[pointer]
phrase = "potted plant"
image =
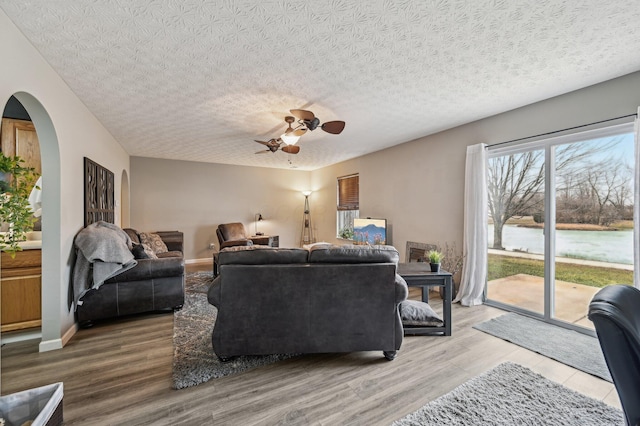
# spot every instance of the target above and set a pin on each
(435, 257)
(16, 215)
(346, 233)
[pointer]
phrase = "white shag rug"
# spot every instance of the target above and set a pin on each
(511, 394)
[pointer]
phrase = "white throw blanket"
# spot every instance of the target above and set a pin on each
(103, 250)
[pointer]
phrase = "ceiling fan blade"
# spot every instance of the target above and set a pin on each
(263, 152)
(291, 149)
(262, 142)
(302, 114)
(334, 127)
(298, 132)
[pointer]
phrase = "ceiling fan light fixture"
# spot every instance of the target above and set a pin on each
(289, 139)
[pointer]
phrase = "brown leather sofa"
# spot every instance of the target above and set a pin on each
(152, 285)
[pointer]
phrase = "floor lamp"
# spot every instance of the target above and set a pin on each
(307, 230)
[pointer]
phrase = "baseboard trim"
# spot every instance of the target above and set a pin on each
(50, 345)
(55, 344)
(204, 260)
(70, 333)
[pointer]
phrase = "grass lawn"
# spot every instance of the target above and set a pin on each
(504, 266)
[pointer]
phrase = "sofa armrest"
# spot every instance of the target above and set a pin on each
(214, 292)
(151, 268)
(402, 290)
(174, 240)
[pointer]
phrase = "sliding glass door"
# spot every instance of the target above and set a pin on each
(560, 223)
(516, 240)
(593, 232)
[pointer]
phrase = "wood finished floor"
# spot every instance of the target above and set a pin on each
(119, 373)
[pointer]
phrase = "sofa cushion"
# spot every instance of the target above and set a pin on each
(133, 234)
(233, 231)
(416, 313)
(327, 253)
(261, 255)
(154, 241)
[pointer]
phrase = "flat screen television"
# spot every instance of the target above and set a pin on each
(369, 231)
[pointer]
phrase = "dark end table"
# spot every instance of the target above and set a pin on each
(418, 274)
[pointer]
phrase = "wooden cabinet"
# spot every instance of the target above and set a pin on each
(19, 138)
(21, 290)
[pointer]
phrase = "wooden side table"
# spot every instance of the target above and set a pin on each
(418, 274)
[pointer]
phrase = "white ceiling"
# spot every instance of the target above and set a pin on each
(199, 80)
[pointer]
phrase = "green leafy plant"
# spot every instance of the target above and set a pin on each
(434, 256)
(346, 233)
(15, 210)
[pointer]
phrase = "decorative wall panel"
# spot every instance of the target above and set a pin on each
(98, 193)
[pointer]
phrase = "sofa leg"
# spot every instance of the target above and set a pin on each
(225, 358)
(177, 308)
(390, 355)
(86, 324)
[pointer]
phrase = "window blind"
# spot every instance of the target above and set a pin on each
(349, 193)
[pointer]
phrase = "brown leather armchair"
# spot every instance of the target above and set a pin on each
(233, 234)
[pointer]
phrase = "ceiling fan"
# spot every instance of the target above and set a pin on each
(306, 121)
(276, 144)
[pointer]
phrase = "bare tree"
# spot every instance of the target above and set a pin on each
(516, 181)
(513, 180)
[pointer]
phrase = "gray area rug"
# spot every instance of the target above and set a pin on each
(511, 394)
(194, 360)
(566, 346)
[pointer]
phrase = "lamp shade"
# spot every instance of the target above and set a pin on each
(289, 139)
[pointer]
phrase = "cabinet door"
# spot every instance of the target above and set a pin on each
(23, 307)
(20, 290)
(19, 138)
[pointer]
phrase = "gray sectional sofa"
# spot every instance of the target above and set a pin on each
(323, 300)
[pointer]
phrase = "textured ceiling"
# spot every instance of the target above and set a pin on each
(199, 80)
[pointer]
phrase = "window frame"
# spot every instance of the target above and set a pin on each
(347, 202)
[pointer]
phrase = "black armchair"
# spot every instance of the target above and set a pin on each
(615, 312)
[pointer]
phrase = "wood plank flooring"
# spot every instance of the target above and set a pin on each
(119, 373)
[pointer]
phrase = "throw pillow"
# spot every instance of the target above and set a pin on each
(143, 251)
(138, 252)
(416, 313)
(154, 241)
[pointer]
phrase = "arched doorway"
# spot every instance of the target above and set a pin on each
(21, 273)
(53, 302)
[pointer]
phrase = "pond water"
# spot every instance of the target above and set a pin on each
(606, 246)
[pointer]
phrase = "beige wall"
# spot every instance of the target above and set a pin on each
(419, 186)
(196, 197)
(67, 132)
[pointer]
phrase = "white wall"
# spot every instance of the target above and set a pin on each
(68, 132)
(196, 197)
(418, 186)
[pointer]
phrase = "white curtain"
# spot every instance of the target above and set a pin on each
(636, 205)
(474, 270)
